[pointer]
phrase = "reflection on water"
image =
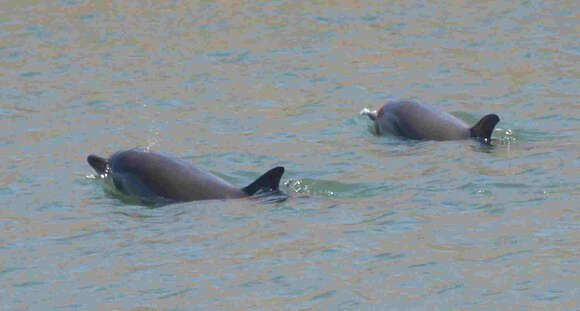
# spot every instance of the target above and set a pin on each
(370, 222)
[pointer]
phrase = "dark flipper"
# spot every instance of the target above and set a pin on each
(484, 127)
(270, 181)
(98, 163)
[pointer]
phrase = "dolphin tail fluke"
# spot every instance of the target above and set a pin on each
(370, 113)
(270, 181)
(484, 127)
(98, 163)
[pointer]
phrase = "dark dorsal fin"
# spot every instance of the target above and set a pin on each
(484, 127)
(98, 163)
(269, 181)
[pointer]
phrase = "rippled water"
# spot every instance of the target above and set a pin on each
(237, 88)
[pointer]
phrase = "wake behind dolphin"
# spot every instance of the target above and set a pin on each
(421, 121)
(156, 177)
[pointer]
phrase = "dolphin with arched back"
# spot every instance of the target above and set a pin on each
(416, 120)
(154, 176)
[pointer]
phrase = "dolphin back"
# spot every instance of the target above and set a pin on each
(270, 181)
(484, 127)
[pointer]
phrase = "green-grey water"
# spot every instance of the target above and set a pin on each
(371, 223)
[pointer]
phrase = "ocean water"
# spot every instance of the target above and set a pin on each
(371, 222)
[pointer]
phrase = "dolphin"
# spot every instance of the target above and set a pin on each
(416, 120)
(158, 177)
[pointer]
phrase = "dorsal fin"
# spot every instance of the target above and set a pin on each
(98, 163)
(484, 127)
(269, 181)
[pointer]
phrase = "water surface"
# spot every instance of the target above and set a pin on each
(237, 88)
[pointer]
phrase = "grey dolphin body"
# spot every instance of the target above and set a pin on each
(154, 176)
(421, 121)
